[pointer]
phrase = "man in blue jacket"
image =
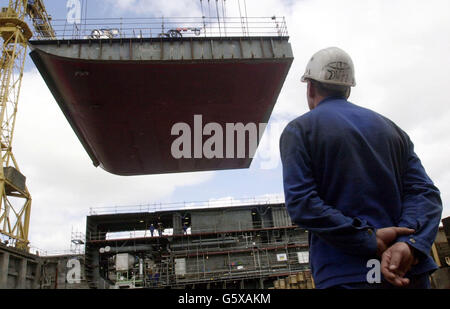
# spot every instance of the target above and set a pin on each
(353, 180)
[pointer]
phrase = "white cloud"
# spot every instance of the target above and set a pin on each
(193, 8)
(267, 156)
(179, 8)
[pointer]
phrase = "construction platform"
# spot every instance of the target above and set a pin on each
(247, 246)
(123, 96)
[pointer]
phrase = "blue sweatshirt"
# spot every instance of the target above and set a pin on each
(347, 172)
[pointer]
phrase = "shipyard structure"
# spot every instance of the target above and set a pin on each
(253, 246)
(250, 246)
(230, 247)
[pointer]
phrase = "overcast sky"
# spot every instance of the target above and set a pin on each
(400, 50)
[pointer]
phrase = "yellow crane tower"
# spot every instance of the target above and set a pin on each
(15, 200)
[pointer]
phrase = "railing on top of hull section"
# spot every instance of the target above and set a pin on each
(175, 28)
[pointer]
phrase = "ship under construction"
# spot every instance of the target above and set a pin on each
(123, 92)
(249, 246)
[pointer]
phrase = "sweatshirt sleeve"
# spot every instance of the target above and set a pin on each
(350, 235)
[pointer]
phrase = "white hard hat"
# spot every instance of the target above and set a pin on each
(331, 66)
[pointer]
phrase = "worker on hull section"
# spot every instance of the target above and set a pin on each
(352, 178)
(152, 229)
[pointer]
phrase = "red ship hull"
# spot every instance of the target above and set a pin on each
(123, 111)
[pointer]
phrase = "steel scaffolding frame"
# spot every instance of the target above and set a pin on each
(257, 256)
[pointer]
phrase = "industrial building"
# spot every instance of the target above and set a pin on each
(251, 246)
(217, 247)
(254, 246)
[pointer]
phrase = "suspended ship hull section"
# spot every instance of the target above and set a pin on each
(124, 105)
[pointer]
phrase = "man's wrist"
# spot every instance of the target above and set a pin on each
(416, 253)
(381, 247)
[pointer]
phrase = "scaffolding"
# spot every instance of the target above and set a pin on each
(213, 257)
(77, 242)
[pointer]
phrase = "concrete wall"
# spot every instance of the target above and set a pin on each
(62, 272)
(20, 270)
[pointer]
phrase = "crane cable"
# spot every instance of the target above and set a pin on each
(83, 5)
(224, 15)
(84, 10)
(209, 16)
(218, 17)
(203, 16)
(240, 15)
(201, 5)
(246, 16)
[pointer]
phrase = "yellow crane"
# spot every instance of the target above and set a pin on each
(15, 199)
